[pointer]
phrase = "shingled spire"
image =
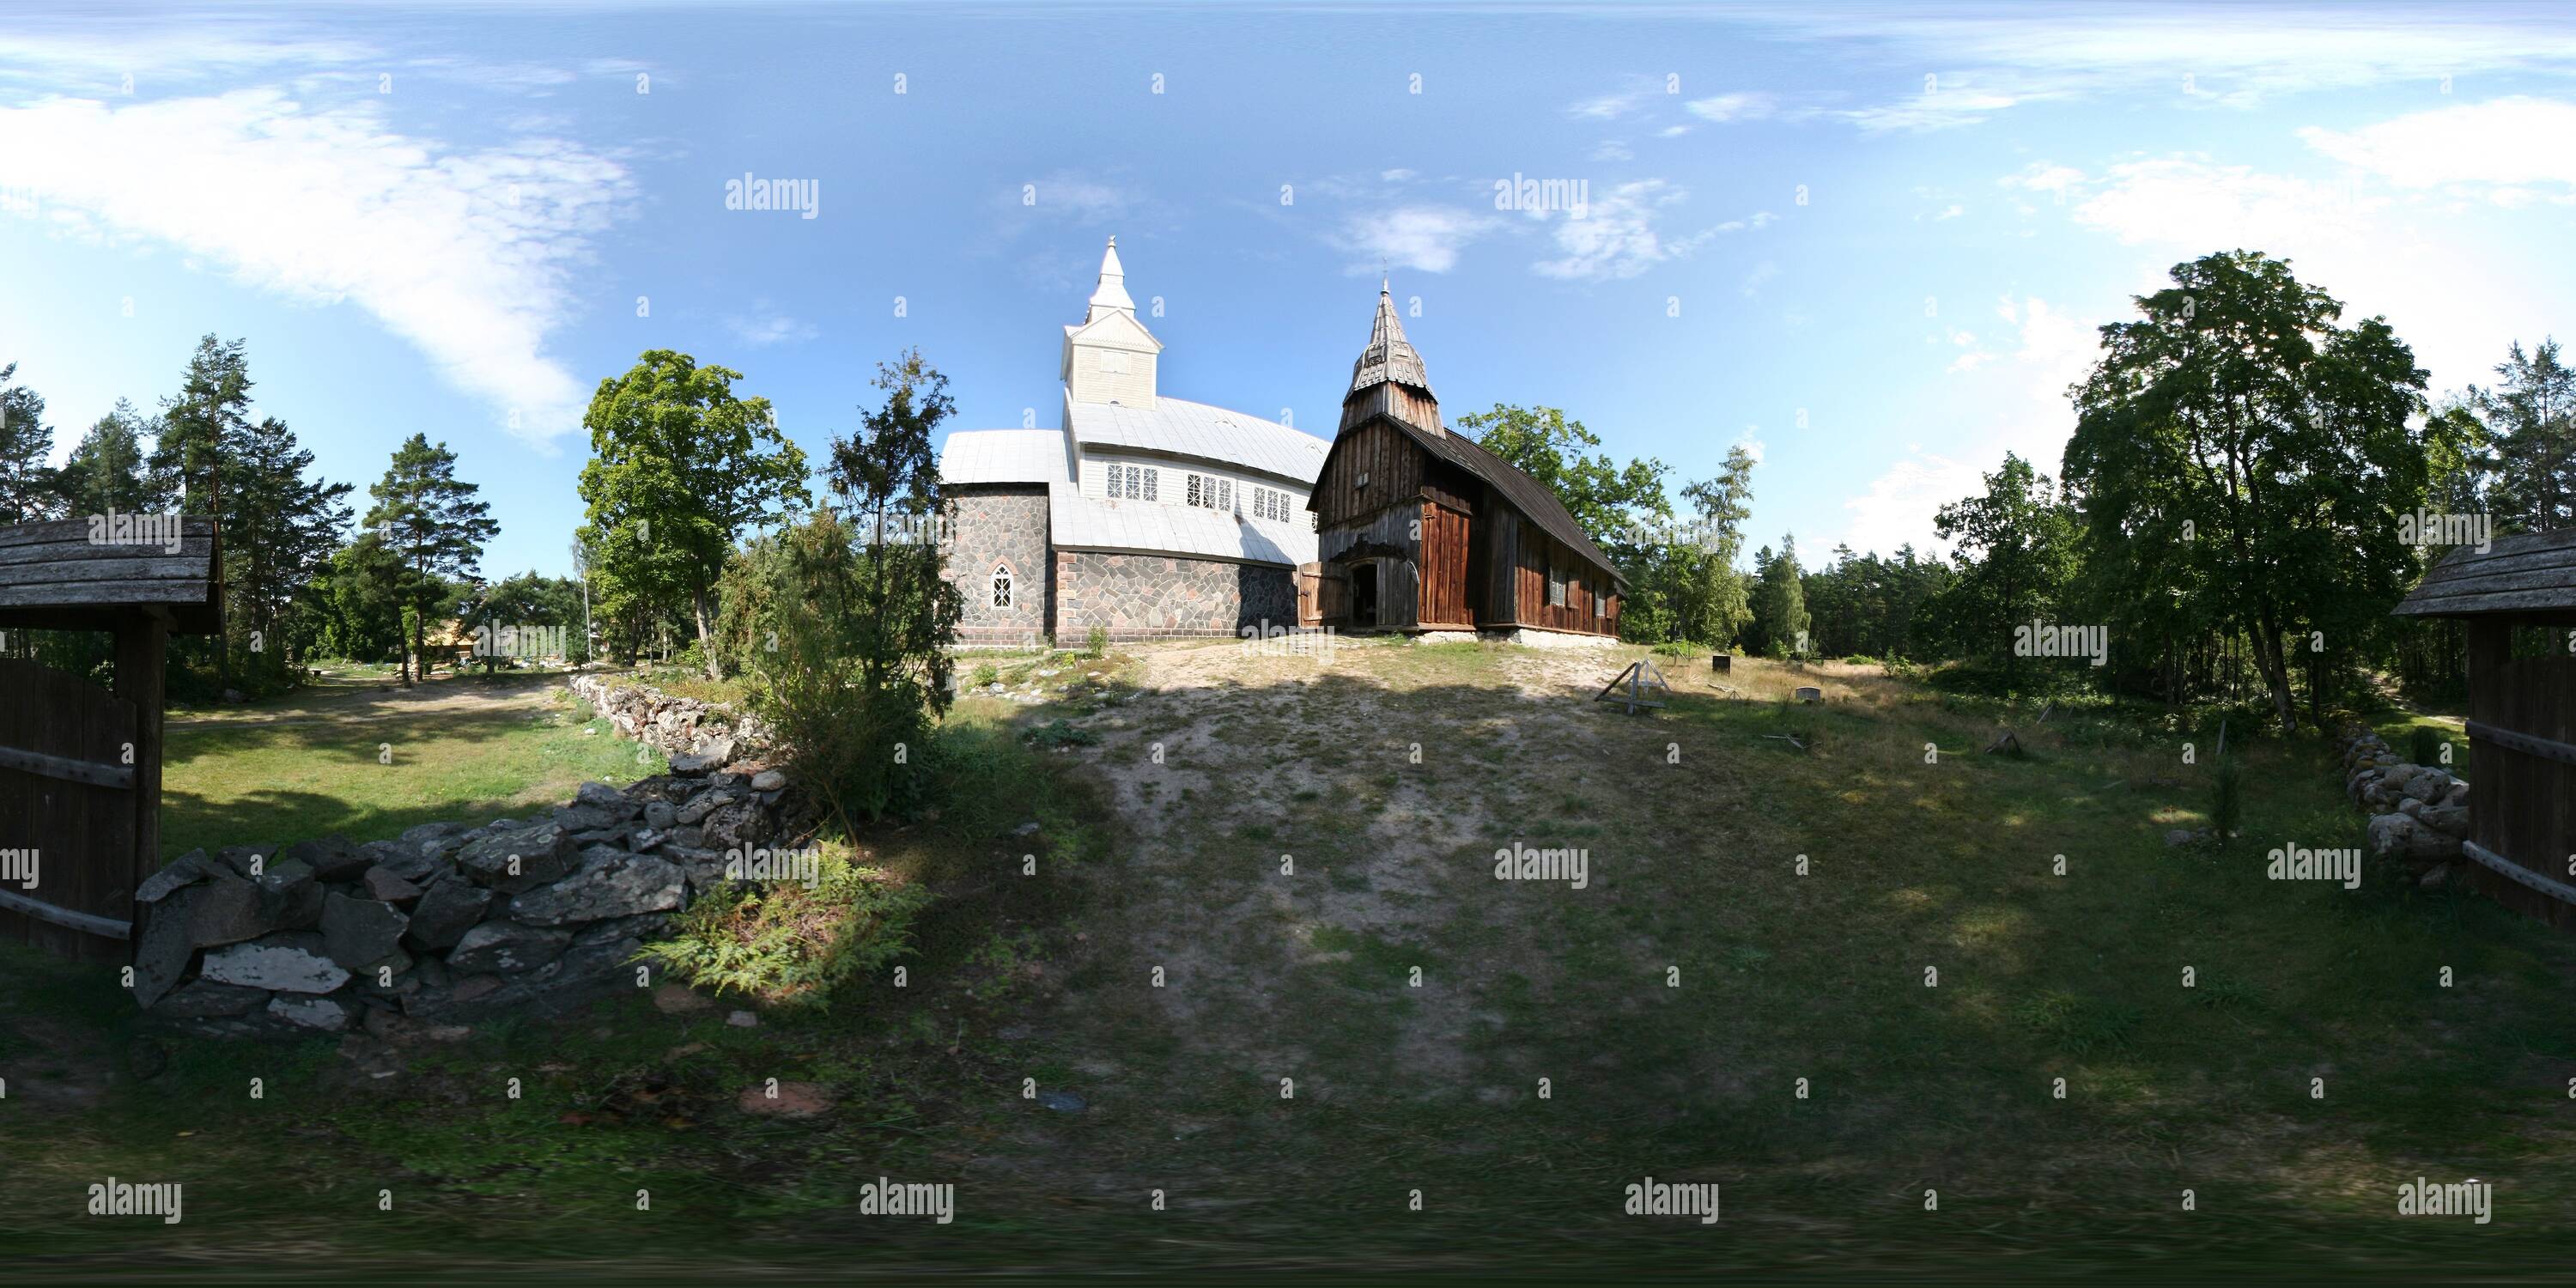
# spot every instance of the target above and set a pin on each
(1388, 378)
(1111, 295)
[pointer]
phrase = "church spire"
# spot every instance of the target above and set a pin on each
(1111, 295)
(1389, 357)
(1388, 379)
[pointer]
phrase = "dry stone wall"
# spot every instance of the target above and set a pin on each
(2419, 813)
(452, 922)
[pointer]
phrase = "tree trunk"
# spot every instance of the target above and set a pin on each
(699, 604)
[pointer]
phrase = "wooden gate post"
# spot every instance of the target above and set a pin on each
(142, 644)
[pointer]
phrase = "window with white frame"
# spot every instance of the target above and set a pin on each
(1151, 475)
(1001, 585)
(1196, 484)
(1601, 600)
(1225, 494)
(1555, 586)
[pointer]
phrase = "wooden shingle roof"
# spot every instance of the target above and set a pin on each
(82, 573)
(2534, 573)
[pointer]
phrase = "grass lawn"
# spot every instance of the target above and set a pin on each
(1287, 842)
(348, 759)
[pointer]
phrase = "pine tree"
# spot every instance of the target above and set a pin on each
(431, 523)
(285, 528)
(194, 461)
(105, 472)
(27, 487)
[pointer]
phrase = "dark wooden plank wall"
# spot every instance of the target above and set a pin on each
(1445, 540)
(1520, 551)
(1392, 462)
(2523, 806)
(89, 859)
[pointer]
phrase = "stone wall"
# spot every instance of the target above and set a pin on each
(451, 922)
(1155, 596)
(1001, 525)
(698, 736)
(2419, 814)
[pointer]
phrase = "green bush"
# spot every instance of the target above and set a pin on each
(1096, 644)
(984, 675)
(784, 944)
(2424, 746)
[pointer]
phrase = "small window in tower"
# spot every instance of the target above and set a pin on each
(1225, 494)
(1363, 479)
(1001, 586)
(1194, 489)
(1150, 475)
(1113, 362)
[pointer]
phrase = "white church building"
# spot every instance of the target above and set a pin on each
(1143, 514)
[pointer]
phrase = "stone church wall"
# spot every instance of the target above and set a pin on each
(1005, 524)
(1162, 596)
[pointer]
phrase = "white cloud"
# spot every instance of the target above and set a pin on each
(1616, 238)
(1951, 211)
(1751, 442)
(1395, 176)
(2192, 202)
(1421, 237)
(1610, 107)
(1745, 106)
(1612, 150)
(1672, 131)
(2201, 56)
(1939, 108)
(765, 326)
(2506, 143)
(466, 254)
(1762, 272)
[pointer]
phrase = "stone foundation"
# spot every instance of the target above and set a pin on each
(1166, 596)
(1536, 637)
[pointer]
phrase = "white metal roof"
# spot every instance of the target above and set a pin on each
(1185, 428)
(1005, 456)
(1088, 523)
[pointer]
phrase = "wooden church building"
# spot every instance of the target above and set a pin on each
(1422, 531)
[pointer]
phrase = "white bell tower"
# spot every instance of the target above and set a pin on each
(1110, 357)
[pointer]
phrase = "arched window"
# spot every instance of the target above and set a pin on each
(1001, 585)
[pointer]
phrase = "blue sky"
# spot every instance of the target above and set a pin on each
(1872, 240)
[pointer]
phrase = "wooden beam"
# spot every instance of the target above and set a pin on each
(2518, 874)
(142, 645)
(2528, 745)
(104, 927)
(67, 769)
(106, 594)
